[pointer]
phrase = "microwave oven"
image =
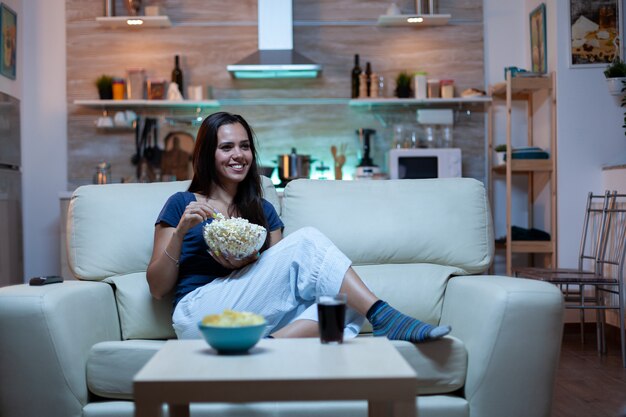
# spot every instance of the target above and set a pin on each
(424, 163)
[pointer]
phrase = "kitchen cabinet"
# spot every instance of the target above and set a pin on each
(540, 173)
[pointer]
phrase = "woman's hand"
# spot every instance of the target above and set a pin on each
(195, 213)
(230, 262)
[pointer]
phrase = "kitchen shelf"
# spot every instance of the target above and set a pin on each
(123, 22)
(417, 102)
(146, 104)
(282, 101)
(414, 20)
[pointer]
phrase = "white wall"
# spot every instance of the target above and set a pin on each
(44, 132)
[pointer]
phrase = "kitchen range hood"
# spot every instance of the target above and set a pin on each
(275, 57)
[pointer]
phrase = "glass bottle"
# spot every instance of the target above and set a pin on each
(356, 72)
(177, 75)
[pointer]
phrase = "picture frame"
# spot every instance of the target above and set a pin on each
(8, 41)
(538, 55)
(595, 28)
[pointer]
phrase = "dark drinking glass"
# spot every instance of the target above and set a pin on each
(331, 311)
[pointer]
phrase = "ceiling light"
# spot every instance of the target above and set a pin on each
(415, 19)
(134, 22)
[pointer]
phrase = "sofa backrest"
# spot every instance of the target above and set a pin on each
(110, 228)
(438, 221)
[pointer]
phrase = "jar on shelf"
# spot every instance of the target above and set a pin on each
(433, 88)
(447, 88)
(118, 88)
(102, 175)
(134, 86)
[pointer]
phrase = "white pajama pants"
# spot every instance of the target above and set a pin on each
(281, 286)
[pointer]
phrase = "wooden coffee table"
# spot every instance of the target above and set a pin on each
(186, 371)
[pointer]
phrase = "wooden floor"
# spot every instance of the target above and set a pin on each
(589, 385)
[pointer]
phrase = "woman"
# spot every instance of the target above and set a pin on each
(282, 281)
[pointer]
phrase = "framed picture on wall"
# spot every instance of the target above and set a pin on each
(8, 41)
(594, 32)
(538, 56)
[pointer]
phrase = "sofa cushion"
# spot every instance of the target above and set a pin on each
(141, 316)
(440, 365)
(110, 228)
(111, 366)
(449, 219)
(426, 284)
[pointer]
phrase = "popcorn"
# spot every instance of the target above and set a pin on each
(230, 318)
(235, 236)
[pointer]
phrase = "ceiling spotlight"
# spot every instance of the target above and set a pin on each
(415, 19)
(134, 22)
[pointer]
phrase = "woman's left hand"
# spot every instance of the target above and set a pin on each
(230, 262)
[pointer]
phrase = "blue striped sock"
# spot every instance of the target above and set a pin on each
(387, 321)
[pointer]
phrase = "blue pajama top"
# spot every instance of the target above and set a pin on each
(196, 266)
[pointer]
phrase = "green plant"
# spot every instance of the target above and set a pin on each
(104, 81)
(105, 87)
(616, 69)
(403, 80)
(500, 148)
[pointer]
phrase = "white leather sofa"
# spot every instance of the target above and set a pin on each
(72, 349)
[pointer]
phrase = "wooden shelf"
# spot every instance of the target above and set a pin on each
(521, 87)
(531, 246)
(132, 22)
(541, 172)
(525, 166)
(414, 20)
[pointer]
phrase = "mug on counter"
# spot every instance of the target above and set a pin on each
(195, 92)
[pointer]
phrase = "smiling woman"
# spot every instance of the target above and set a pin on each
(282, 279)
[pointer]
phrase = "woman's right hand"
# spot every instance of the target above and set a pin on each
(195, 213)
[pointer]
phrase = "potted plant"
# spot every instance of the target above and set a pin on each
(105, 87)
(500, 154)
(615, 75)
(403, 85)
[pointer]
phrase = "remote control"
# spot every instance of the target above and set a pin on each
(50, 279)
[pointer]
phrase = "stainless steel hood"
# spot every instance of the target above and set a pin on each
(275, 57)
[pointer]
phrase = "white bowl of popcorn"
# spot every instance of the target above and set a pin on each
(234, 236)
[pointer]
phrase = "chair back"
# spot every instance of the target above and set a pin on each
(613, 246)
(594, 225)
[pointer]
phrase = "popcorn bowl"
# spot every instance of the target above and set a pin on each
(232, 332)
(234, 236)
(232, 340)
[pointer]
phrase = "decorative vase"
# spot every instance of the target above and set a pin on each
(615, 85)
(403, 91)
(105, 93)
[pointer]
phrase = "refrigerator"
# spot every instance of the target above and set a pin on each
(11, 237)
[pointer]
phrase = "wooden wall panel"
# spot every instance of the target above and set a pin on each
(208, 36)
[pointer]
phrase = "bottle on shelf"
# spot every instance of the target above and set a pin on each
(177, 75)
(356, 72)
(368, 74)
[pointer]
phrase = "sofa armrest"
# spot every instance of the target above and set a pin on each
(512, 329)
(47, 333)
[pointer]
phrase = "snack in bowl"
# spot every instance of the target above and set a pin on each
(234, 236)
(232, 332)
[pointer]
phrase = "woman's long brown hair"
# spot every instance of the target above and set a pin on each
(247, 202)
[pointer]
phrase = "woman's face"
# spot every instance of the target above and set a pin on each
(233, 155)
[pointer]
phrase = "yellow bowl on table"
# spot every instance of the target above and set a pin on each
(232, 332)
